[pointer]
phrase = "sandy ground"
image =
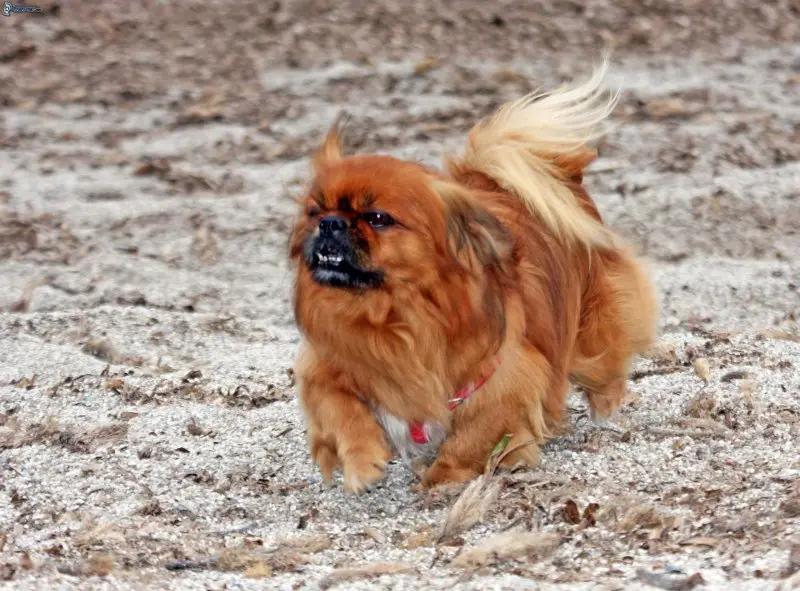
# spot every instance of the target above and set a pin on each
(149, 432)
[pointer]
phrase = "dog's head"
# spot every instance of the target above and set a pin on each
(373, 222)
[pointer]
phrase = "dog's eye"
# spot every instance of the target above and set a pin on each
(377, 219)
(313, 212)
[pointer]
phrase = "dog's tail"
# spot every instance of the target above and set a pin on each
(536, 147)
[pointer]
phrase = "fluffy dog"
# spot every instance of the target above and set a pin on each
(443, 310)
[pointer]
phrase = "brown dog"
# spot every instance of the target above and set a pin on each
(442, 311)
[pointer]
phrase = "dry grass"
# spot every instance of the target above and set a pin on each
(369, 571)
(14, 434)
(512, 545)
(470, 507)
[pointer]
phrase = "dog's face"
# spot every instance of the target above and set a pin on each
(360, 215)
(337, 251)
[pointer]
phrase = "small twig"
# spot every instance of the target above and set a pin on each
(498, 459)
(70, 381)
(602, 169)
(202, 564)
(514, 523)
(286, 431)
(68, 290)
(668, 582)
(538, 484)
(735, 375)
(656, 371)
(606, 425)
(668, 432)
(238, 530)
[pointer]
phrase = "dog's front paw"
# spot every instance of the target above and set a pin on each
(445, 473)
(323, 450)
(364, 464)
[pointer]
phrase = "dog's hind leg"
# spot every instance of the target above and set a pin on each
(617, 322)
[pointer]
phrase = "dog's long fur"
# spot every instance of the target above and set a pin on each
(536, 146)
(503, 255)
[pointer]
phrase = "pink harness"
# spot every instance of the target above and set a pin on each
(417, 428)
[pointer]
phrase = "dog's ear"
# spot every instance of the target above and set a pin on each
(480, 244)
(330, 151)
(474, 235)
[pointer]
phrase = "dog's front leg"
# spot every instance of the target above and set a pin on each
(514, 407)
(343, 432)
(464, 453)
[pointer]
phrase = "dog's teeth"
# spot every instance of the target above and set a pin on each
(333, 259)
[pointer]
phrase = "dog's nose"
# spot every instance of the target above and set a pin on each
(332, 225)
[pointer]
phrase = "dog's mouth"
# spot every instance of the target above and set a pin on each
(333, 265)
(332, 260)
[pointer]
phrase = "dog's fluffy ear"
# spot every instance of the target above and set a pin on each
(330, 151)
(474, 236)
(480, 244)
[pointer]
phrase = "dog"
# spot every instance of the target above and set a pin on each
(443, 310)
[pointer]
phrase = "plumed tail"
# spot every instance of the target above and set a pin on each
(537, 146)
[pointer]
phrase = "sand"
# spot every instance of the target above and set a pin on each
(150, 435)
